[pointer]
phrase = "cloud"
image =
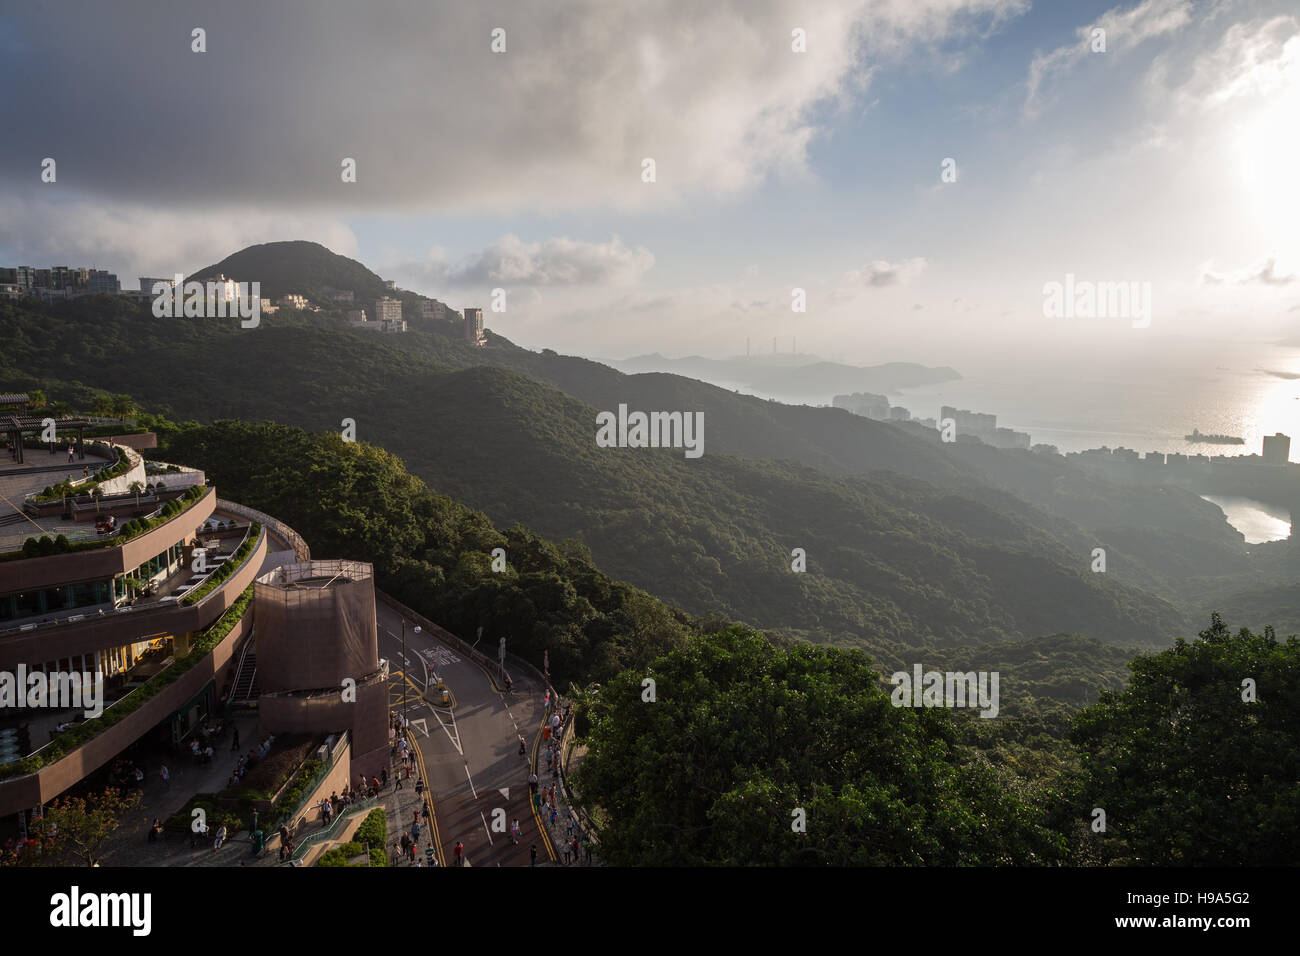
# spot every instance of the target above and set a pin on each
(1264, 273)
(1124, 29)
(134, 240)
(435, 120)
(880, 273)
(553, 262)
(1253, 59)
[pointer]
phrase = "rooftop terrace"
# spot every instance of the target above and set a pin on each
(41, 470)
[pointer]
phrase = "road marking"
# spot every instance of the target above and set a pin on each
(471, 782)
(421, 724)
(485, 827)
(455, 741)
(504, 791)
(440, 656)
(533, 805)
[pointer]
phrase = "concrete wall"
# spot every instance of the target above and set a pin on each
(366, 720)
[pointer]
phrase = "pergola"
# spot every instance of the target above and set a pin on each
(15, 426)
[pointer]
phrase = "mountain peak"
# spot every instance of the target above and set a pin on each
(296, 266)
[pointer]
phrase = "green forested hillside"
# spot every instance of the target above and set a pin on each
(743, 732)
(353, 500)
(890, 561)
(986, 546)
(751, 754)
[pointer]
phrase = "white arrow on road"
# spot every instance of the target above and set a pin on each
(504, 791)
(421, 724)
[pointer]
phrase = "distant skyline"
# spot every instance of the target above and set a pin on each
(1171, 158)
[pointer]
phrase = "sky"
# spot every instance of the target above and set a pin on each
(920, 169)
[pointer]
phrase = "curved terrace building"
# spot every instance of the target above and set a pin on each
(137, 577)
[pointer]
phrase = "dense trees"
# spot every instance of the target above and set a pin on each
(891, 559)
(741, 736)
(1188, 768)
(744, 729)
(353, 500)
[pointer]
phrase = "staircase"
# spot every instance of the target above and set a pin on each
(242, 690)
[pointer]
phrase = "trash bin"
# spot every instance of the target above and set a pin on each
(257, 842)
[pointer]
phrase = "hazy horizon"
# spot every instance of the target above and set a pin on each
(1165, 159)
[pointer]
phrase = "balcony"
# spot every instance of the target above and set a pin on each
(162, 616)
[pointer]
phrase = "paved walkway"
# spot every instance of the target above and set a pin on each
(130, 845)
(564, 828)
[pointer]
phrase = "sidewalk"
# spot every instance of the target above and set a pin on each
(565, 827)
(130, 846)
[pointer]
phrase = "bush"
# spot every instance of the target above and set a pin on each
(132, 529)
(217, 815)
(374, 829)
(307, 778)
(340, 855)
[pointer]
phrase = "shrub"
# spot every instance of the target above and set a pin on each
(217, 815)
(374, 829)
(340, 855)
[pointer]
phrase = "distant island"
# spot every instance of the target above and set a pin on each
(790, 376)
(1196, 436)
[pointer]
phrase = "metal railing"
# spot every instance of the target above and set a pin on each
(281, 529)
(327, 833)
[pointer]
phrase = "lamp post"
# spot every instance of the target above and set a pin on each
(405, 697)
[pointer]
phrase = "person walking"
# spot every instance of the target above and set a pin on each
(235, 746)
(514, 832)
(460, 853)
(221, 837)
(532, 856)
(419, 787)
(165, 776)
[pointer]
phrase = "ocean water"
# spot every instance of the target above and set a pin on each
(1256, 521)
(1146, 398)
(1147, 404)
